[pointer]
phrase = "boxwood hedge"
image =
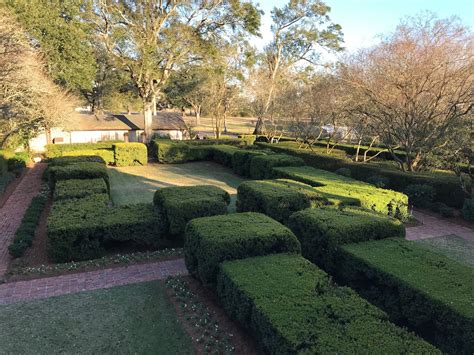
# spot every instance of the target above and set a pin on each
(241, 161)
(322, 230)
(222, 154)
(105, 154)
(261, 165)
(427, 291)
(62, 161)
(277, 198)
(177, 205)
(58, 150)
(167, 151)
(78, 188)
(292, 307)
(85, 170)
(341, 190)
(129, 154)
(211, 240)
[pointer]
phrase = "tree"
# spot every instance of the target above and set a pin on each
(150, 38)
(299, 29)
(416, 86)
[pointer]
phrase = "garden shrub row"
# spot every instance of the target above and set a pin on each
(80, 229)
(446, 185)
(83, 170)
(261, 165)
(241, 161)
(66, 160)
(290, 306)
(12, 162)
(177, 205)
(25, 233)
(341, 190)
(171, 152)
(277, 198)
(78, 188)
(120, 154)
(211, 240)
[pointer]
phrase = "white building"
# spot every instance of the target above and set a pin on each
(84, 127)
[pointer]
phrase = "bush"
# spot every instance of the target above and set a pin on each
(261, 165)
(222, 154)
(241, 161)
(420, 195)
(211, 240)
(77, 171)
(344, 191)
(129, 154)
(80, 229)
(177, 205)
(292, 307)
(67, 160)
(26, 231)
(106, 155)
(248, 139)
(468, 209)
(322, 230)
(79, 188)
(11, 161)
(426, 291)
(344, 172)
(277, 198)
(167, 151)
(446, 211)
(378, 181)
(58, 150)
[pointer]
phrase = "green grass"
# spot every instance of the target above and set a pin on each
(452, 246)
(137, 184)
(122, 320)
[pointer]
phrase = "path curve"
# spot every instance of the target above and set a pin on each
(92, 280)
(14, 209)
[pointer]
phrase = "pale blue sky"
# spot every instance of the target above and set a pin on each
(363, 20)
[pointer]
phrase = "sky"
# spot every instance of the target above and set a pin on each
(363, 20)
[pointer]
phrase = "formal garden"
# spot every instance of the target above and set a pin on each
(287, 250)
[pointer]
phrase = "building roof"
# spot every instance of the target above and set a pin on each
(162, 121)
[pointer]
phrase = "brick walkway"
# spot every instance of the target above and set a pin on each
(60, 285)
(436, 227)
(14, 208)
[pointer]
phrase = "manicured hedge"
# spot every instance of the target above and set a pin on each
(78, 188)
(223, 154)
(106, 155)
(58, 150)
(341, 190)
(62, 161)
(446, 185)
(241, 161)
(25, 233)
(277, 198)
(86, 170)
(167, 151)
(261, 165)
(292, 307)
(249, 139)
(80, 229)
(211, 240)
(11, 161)
(177, 205)
(427, 291)
(322, 230)
(129, 154)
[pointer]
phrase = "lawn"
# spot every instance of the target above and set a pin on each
(137, 184)
(452, 246)
(122, 320)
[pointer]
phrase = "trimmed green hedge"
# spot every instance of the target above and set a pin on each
(261, 166)
(62, 161)
(223, 154)
(58, 150)
(241, 161)
(129, 154)
(106, 155)
(322, 230)
(429, 292)
(341, 190)
(177, 205)
(25, 233)
(78, 188)
(446, 185)
(171, 152)
(211, 240)
(11, 161)
(277, 198)
(86, 170)
(80, 229)
(292, 307)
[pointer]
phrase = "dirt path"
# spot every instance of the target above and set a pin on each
(60, 285)
(436, 227)
(14, 208)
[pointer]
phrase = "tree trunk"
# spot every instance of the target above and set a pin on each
(153, 102)
(259, 126)
(147, 120)
(197, 115)
(358, 149)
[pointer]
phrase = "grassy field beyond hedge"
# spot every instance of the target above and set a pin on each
(137, 184)
(132, 319)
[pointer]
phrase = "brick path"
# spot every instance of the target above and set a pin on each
(436, 227)
(60, 285)
(14, 208)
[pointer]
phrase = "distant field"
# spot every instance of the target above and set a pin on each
(235, 125)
